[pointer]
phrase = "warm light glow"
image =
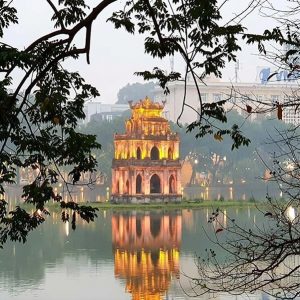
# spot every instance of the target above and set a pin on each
(145, 279)
(145, 260)
(291, 213)
(67, 228)
(152, 148)
(126, 149)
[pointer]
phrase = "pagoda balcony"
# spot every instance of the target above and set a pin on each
(146, 162)
(140, 136)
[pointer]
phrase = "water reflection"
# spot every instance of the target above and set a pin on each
(243, 192)
(146, 249)
(138, 255)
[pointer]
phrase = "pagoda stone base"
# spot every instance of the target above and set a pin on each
(145, 199)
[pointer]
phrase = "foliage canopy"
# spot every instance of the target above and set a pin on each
(39, 117)
(135, 92)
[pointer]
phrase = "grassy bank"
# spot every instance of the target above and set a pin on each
(181, 205)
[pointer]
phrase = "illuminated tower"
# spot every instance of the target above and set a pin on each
(146, 166)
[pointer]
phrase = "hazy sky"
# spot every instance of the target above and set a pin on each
(115, 54)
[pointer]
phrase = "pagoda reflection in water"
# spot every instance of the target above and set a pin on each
(146, 252)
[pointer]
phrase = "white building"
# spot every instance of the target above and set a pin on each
(106, 111)
(237, 93)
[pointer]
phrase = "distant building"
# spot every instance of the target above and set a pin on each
(106, 116)
(216, 90)
(146, 166)
(102, 111)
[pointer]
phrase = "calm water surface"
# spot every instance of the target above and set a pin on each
(101, 193)
(123, 255)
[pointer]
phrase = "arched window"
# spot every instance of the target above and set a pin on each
(139, 127)
(172, 185)
(138, 184)
(138, 153)
(127, 188)
(155, 184)
(118, 187)
(154, 153)
(170, 153)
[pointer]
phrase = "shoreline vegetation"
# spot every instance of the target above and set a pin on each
(185, 204)
(181, 205)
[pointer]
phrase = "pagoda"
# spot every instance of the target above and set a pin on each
(146, 166)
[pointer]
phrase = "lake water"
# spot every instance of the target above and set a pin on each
(123, 255)
(101, 193)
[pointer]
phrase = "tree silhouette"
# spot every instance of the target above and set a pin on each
(38, 118)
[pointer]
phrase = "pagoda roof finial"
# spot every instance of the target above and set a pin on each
(147, 103)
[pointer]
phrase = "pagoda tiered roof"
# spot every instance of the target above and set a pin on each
(147, 109)
(147, 104)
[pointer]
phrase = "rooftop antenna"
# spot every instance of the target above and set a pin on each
(172, 63)
(236, 70)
